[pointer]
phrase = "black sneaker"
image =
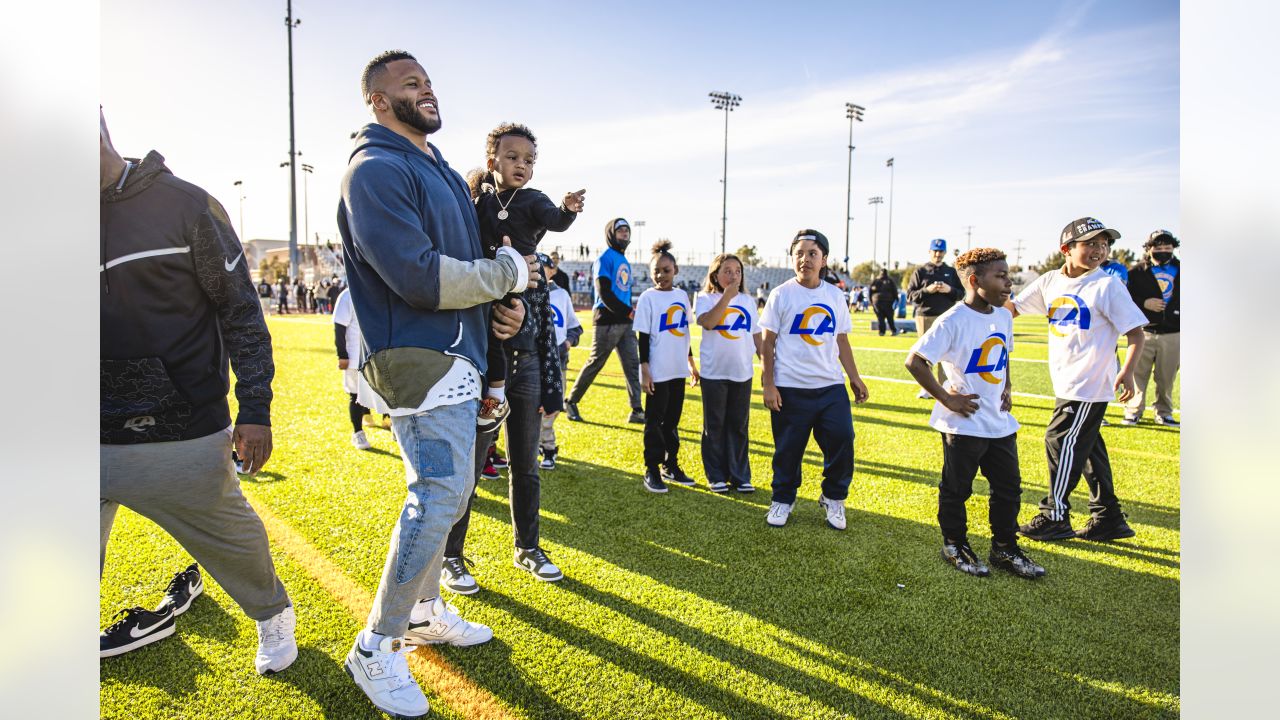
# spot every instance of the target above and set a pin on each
(185, 587)
(1109, 528)
(674, 474)
(1011, 558)
(1042, 528)
(138, 627)
(636, 417)
(571, 411)
(653, 481)
(746, 487)
(548, 459)
(964, 559)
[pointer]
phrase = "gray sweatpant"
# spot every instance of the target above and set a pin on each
(603, 342)
(190, 489)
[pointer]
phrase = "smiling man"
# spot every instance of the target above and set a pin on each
(421, 289)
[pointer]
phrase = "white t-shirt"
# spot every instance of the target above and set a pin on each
(807, 323)
(726, 352)
(664, 315)
(973, 348)
(562, 313)
(1087, 315)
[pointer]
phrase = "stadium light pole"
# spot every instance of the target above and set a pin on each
(639, 244)
(306, 204)
(876, 201)
(888, 256)
(853, 112)
(290, 23)
(725, 101)
(239, 184)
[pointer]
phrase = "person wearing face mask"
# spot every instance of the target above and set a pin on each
(611, 320)
(1154, 285)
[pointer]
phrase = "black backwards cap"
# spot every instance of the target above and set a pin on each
(1160, 236)
(1084, 229)
(814, 235)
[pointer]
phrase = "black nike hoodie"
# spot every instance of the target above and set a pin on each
(176, 305)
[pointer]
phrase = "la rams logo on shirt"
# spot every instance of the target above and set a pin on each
(1067, 312)
(623, 278)
(557, 316)
(813, 322)
(675, 320)
(989, 358)
(735, 320)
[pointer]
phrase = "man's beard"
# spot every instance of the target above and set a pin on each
(407, 112)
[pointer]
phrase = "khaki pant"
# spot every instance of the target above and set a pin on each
(1160, 354)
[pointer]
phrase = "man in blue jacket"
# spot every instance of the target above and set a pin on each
(421, 289)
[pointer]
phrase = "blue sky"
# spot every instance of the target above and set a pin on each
(1012, 117)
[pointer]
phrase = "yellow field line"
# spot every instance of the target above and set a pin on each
(431, 668)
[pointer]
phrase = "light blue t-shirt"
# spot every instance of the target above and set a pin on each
(613, 265)
(1165, 275)
(1111, 267)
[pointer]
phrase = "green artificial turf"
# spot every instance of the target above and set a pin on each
(686, 605)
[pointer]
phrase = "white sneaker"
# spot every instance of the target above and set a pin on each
(778, 514)
(384, 677)
(924, 395)
(276, 647)
(835, 511)
(360, 441)
(434, 621)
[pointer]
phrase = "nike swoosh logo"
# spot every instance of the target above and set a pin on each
(137, 632)
(232, 265)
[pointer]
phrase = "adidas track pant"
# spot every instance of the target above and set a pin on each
(1075, 447)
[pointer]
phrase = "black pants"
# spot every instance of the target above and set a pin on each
(1075, 447)
(662, 423)
(357, 412)
(884, 313)
(962, 457)
(726, 406)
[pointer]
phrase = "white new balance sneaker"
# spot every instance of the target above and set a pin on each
(360, 441)
(383, 675)
(277, 648)
(778, 514)
(835, 511)
(435, 621)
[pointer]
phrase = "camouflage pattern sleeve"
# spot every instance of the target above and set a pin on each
(222, 272)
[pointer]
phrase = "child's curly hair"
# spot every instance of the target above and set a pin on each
(506, 128)
(662, 249)
(976, 260)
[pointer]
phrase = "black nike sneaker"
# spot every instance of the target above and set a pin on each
(136, 628)
(673, 473)
(185, 587)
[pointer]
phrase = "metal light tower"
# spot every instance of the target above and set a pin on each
(306, 204)
(853, 112)
(876, 201)
(888, 259)
(290, 24)
(240, 189)
(639, 243)
(968, 234)
(727, 102)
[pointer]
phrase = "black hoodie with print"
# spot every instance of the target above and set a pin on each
(176, 304)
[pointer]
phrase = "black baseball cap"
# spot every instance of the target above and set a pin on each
(1084, 229)
(1158, 237)
(814, 235)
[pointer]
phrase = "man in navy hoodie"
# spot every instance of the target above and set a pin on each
(421, 289)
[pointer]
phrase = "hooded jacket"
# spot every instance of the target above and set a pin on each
(610, 308)
(176, 304)
(419, 283)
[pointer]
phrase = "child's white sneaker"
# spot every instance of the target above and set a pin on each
(778, 514)
(835, 511)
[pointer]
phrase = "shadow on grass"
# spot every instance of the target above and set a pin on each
(169, 665)
(490, 666)
(326, 682)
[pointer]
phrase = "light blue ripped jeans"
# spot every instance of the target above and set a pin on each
(438, 448)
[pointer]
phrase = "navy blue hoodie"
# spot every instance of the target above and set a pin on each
(400, 211)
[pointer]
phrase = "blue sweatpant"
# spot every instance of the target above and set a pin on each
(824, 412)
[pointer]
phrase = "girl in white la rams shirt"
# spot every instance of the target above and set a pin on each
(662, 326)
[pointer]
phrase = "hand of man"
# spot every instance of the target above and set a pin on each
(573, 201)
(506, 321)
(253, 444)
(535, 267)
(1154, 304)
(343, 363)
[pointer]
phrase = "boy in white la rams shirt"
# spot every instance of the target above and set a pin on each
(1088, 311)
(805, 322)
(971, 342)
